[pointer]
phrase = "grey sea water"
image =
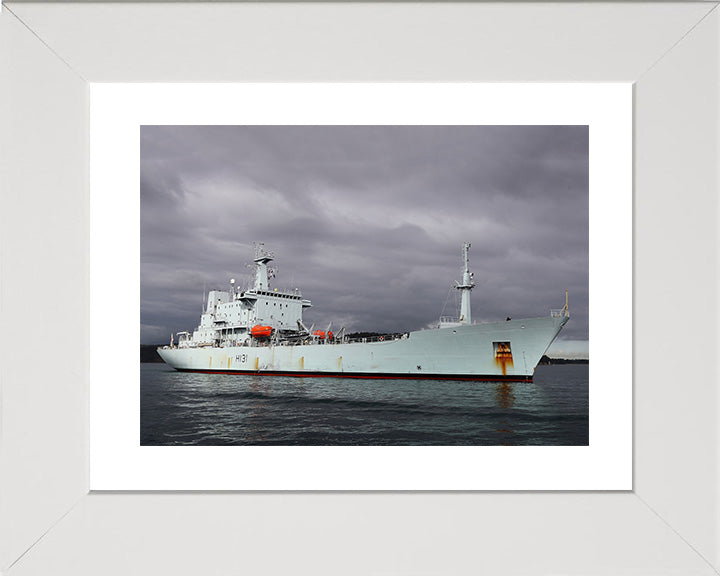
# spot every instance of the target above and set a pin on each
(221, 410)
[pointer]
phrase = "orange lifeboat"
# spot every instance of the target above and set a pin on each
(261, 331)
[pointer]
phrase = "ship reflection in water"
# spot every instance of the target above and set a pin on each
(505, 399)
(258, 413)
(216, 409)
(504, 395)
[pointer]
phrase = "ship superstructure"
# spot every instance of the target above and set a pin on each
(230, 315)
(260, 329)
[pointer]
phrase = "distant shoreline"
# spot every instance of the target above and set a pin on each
(545, 360)
(148, 354)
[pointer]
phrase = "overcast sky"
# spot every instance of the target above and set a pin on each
(367, 221)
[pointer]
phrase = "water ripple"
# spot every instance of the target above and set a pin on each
(216, 409)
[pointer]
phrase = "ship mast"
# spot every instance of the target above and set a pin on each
(262, 257)
(465, 287)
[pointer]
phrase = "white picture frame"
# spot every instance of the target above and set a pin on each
(668, 524)
(119, 462)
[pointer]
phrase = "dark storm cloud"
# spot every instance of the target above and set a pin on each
(367, 221)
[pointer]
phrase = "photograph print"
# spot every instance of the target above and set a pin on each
(364, 285)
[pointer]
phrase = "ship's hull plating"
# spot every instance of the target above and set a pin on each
(492, 351)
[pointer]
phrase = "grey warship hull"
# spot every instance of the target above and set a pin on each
(508, 350)
(260, 331)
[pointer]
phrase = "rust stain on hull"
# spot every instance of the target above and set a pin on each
(503, 357)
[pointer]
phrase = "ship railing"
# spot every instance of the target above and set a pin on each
(449, 321)
(366, 339)
(309, 341)
(559, 313)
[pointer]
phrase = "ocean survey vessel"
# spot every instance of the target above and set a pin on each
(260, 330)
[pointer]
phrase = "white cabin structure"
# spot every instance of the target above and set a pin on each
(229, 315)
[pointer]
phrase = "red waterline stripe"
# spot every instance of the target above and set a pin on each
(357, 375)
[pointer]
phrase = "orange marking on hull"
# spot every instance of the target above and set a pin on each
(503, 357)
